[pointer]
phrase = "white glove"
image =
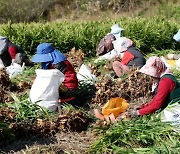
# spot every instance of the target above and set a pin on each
(14, 69)
(108, 56)
(134, 113)
(13, 60)
(1, 64)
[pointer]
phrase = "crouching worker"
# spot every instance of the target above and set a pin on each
(50, 58)
(129, 55)
(11, 53)
(166, 89)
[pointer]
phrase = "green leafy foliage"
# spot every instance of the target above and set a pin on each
(148, 34)
(25, 109)
(28, 75)
(85, 93)
(176, 73)
(142, 132)
(161, 53)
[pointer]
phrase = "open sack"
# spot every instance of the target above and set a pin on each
(171, 114)
(85, 74)
(44, 90)
(14, 69)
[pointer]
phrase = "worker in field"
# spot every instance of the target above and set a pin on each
(121, 47)
(130, 56)
(172, 59)
(11, 53)
(166, 89)
(106, 45)
(50, 58)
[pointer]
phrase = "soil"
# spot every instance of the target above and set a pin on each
(73, 135)
(62, 142)
(8, 87)
(69, 142)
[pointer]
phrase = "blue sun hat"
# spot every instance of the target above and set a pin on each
(177, 36)
(116, 30)
(47, 53)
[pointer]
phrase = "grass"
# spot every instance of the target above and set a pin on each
(161, 53)
(176, 73)
(25, 109)
(26, 75)
(143, 134)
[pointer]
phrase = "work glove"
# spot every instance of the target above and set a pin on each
(18, 59)
(12, 61)
(134, 113)
(1, 64)
(63, 88)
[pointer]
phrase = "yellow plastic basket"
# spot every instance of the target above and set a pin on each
(171, 62)
(116, 106)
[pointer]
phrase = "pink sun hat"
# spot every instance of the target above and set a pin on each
(154, 67)
(122, 44)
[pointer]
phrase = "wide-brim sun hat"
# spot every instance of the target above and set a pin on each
(117, 44)
(177, 36)
(122, 44)
(118, 35)
(154, 67)
(149, 70)
(46, 53)
(115, 29)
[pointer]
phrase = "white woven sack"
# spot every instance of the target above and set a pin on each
(85, 74)
(14, 69)
(171, 114)
(44, 90)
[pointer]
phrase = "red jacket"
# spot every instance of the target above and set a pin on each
(12, 51)
(166, 86)
(133, 57)
(71, 80)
